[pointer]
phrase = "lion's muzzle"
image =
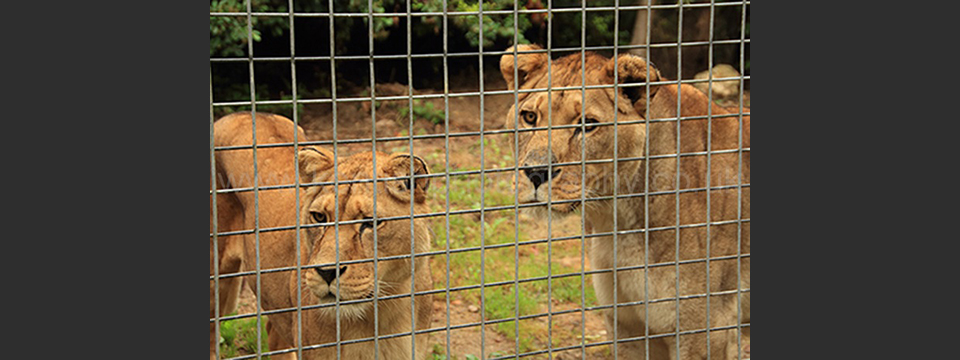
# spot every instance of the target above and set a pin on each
(540, 176)
(329, 275)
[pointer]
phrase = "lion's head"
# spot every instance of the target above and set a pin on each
(352, 204)
(580, 122)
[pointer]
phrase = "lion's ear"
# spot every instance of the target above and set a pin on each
(399, 166)
(633, 70)
(313, 162)
(528, 66)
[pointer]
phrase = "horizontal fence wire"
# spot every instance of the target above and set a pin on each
(488, 12)
(487, 53)
(484, 210)
(464, 94)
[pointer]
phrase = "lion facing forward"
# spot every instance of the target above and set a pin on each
(582, 131)
(357, 281)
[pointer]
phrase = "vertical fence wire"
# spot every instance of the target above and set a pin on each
(336, 173)
(743, 22)
(677, 165)
(373, 145)
(583, 173)
(549, 183)
(296, 180)
(256, 178)
(483, 308)
(616, 178)
(413, 180)
(215, 220)
(709, 150)
(446, 150)
(516, 174)
(646, 190)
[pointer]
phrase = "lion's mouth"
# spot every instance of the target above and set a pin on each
(330, 297)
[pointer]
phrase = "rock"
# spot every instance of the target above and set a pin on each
(473, 308)
(721, 89)
(392, 89)
(456, 302)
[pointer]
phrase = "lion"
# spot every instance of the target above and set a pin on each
(581, 123)
(358, 282)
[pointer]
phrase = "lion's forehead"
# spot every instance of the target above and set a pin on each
(357, 198)
(567, 104)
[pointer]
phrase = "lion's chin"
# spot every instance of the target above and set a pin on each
(349, 312)
(556, 210)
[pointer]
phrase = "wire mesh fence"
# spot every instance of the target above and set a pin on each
(479, 179)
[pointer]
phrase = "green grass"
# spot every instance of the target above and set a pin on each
(499, 264)
(438, 354)
(422, 110)
(239, 337)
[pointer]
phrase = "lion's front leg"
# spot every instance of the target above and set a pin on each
(229, 288)
(629, 320)
(280, 335)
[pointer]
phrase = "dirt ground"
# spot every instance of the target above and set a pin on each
(354, 122)
(466, 341)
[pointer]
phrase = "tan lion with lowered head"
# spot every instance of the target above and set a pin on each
(322, 244)
(581, 123)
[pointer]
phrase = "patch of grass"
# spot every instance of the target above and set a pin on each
(239, 337)
(438, 352)
(501, 303)
(422, 110)
(498, 264)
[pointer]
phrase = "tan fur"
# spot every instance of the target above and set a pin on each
(540, 148)
(277, 207)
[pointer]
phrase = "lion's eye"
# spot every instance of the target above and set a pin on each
(529, 117)
(369, 224)
(318, 217)
(588, 121)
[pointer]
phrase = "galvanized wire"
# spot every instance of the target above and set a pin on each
(461, 94)
(526, 242)
(256, 182)
(488, 12)
(296, 172)
(616, 178)
(709, 148)
(646, 190)
(446, 151)
(583, 180)
(373, 145)
(677, 184)
(549, 183)
(336, 185)
(215, 220)
(527, 280)
(516, 177)
(483, 266)
(743, 21)
(413, 251)
(595, 48)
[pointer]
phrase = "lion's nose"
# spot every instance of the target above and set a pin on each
(539, 176)
(329, 275)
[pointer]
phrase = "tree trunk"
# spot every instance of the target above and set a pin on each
(639, 35)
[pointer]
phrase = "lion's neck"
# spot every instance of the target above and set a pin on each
(393, 316)
(628, 211)
(628, 215)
